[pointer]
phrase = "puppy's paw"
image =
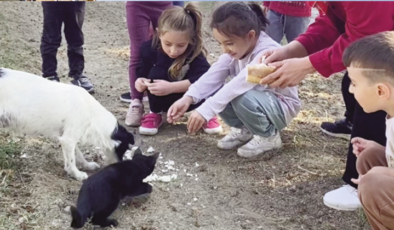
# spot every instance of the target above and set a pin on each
(113, 222)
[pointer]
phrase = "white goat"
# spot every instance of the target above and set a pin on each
(32, 105)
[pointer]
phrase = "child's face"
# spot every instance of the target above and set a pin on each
(174, 43)
(370, 96)
(236, 47)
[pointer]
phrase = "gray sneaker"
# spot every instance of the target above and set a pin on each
(83, 82)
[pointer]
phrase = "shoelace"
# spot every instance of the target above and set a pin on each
(351, 190)
(84, 80)
(256, 140)
(52, 78)
(235, 132)
(134, 110)
(344, 123)
(259, 139)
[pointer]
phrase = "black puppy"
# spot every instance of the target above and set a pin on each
(101, 193)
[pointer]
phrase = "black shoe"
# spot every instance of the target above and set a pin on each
(341, 128)
(83, 82)
(125, 97)
(53, 78)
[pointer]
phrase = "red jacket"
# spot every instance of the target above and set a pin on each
(344, 22)
(296, 8)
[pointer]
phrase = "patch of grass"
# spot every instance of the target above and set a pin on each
(8, 150)
(362, 219)
(7, 57)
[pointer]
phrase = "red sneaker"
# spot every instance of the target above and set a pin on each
(212, 126)
(150, 124)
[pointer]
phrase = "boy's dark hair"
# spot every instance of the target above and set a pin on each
(375, 53)
(238, 18)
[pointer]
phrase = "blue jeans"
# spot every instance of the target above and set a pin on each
(178, 3)
(285, 25)
(259, 111)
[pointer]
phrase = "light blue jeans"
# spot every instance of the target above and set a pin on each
(259, 111)
(285, 25)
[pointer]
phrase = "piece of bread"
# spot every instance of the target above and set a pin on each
(258, 72)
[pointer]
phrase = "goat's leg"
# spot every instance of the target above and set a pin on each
(66, 160)
(82, 161)
(110, 156)
(68, 147)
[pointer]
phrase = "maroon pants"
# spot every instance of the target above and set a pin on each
(139, 16)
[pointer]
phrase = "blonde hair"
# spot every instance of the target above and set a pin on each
(189, 20)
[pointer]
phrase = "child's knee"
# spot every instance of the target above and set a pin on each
(246, 102)
(369, 188)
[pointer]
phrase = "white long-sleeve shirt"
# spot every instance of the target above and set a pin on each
(214, 80)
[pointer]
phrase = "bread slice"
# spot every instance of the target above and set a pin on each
(258, 72)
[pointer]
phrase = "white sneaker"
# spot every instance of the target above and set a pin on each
(235, 138)
(259, 145)
(344, 198)
(134, 114)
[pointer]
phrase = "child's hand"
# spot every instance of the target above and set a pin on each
(360, 144)
(358, 180)
(159, 87)
(195, 122)
(178, 109)
(140, 84)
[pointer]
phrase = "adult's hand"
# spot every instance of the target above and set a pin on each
(292, 50)
(289, 72)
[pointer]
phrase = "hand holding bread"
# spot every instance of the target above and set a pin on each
(258, 72)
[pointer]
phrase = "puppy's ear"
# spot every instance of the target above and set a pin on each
(156, 155)
(131, 138)
(137, 152)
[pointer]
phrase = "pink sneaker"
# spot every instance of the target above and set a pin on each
(134, 114)
(212, 126)
(151, 123)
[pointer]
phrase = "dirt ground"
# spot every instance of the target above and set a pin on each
(214, 189)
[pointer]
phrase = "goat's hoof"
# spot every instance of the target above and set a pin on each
(78, 175)
(91, 166)
(81, 176)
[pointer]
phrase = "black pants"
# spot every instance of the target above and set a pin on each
(159, 104)
(72, 15)
(370, 126)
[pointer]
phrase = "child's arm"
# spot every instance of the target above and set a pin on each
(236, 87)
(211, 81)
(360, 144)
(180, 86)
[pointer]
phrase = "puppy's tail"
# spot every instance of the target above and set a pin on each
(78, 221)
